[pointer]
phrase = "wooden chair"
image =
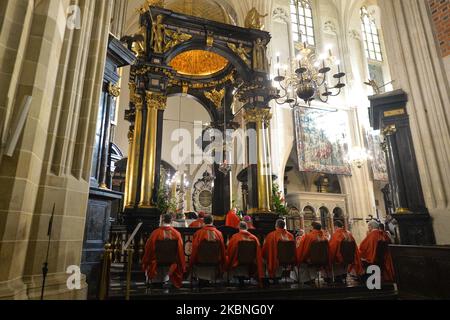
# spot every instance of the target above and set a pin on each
(247, 255)
(286, 255)
(166, 252)
(348, 252)
(382, 249)
(208, 256)
(318, 256)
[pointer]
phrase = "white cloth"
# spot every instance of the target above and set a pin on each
(206, 273)
(306, 273)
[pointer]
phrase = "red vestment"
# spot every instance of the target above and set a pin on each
(303, 251)
(368, 252)
(250, 226)
(149, 264)
(270, 249)
(335, 250)
(232, 220)
(208, 233)
(232, 252)
(197, 224)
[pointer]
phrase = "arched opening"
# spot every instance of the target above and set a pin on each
(184, 120)
(309, 216)
(325, 218)
(338, 215)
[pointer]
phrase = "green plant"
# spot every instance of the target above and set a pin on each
(165, 203)
(278, 202)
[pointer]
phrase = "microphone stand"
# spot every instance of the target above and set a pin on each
(45, 266)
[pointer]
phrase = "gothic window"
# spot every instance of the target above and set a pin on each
(371, 36)
(302, 22)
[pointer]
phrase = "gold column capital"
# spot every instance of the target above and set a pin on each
(258, 115)
(156, 100)
(390, 130)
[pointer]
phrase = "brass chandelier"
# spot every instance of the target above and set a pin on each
(310, 79)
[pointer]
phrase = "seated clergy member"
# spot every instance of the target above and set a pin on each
(232, 220)
(149, 264)
(270, 248)
(234, 269)
(337, 260)
(207, 233)
(199, 223)
(368, 250)
(309, 273)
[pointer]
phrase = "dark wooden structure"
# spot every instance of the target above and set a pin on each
(422, 272)
(388, 113)
(103, 201)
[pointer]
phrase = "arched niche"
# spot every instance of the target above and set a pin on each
(325, 218)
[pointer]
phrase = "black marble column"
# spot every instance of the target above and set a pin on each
(388, 113)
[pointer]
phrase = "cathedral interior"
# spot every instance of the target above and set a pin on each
(115, 113)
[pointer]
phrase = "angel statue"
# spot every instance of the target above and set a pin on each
(242, 52)
(253, 20)
(158, 35)
(175, 38)
(260, 62)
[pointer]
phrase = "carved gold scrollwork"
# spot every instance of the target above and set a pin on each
(216, 97)
(114, 90)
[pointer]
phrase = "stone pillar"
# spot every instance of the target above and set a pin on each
(416, 66)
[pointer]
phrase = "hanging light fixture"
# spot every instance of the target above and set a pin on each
(310, 79)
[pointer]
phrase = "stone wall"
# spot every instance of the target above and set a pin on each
(61, 68)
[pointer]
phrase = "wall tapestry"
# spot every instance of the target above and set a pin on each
(378, 157)
(322, 141)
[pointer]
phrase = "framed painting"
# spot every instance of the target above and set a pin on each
(322, 141)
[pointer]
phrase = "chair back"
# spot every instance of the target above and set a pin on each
(348, 251)
(246, 253)
(286, 253)
(382, 248)
(166, 252)
(209, 253)
(319, 254)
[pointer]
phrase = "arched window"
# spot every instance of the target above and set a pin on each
(371, 36)
(302, 22)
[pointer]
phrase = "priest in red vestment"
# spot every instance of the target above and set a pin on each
(340, 269)
(199, 223)
(368, 250)
(270, 248)
(232, 219)
(232, 252)
(208, 233)
(308, 273)
(149, 263)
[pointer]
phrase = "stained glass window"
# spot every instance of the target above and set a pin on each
(302, 22)
(370, 36)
